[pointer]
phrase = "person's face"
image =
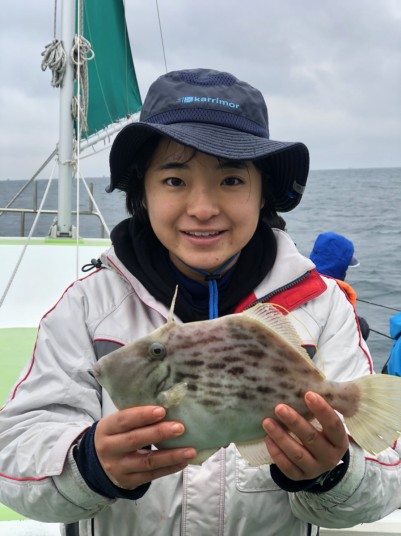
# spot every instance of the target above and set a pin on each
(202, 209)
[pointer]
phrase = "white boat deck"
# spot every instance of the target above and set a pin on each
(28, 528)
(47, 269)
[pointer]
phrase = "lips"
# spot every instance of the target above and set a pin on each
(203, 234)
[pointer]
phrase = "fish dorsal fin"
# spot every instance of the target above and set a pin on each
(170, 317)
(273, 320)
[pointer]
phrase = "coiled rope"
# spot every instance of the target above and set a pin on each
(81, 53)
(54, 56)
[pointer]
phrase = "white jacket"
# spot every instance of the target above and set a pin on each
(56, 400)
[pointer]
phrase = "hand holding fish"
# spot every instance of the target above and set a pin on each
(318, 452)
(221, 378)
(120, 439)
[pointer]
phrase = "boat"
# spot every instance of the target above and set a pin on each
(36, 270)
(28, 286)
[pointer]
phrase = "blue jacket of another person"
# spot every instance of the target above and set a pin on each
(394, 362)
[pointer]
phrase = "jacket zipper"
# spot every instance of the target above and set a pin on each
(279, 290)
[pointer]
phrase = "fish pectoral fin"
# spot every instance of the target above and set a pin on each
(173, 396)
(255, 452)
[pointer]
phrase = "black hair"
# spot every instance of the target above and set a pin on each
(274, 220)
(267, 192)
(135, 193)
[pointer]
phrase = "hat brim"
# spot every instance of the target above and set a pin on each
(288, 164)
(353, 263)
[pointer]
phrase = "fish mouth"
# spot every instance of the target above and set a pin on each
(162, 383)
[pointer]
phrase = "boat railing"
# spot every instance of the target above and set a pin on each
(34, 210)
(24, 211)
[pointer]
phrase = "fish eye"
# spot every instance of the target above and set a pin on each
(157, 350)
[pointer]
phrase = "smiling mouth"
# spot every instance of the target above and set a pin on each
(203, 234)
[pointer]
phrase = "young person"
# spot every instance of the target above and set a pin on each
(200, 174)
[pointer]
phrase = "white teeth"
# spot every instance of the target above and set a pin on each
(199, 233)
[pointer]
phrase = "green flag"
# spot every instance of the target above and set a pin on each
(112, 85)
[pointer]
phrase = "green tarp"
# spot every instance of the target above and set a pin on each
(113, 88)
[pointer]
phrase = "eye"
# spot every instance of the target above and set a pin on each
(232, 181)
(175, 181)
(157, 350)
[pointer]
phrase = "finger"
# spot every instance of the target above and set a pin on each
(134, 480)
(310, 451)
(145, 466)
(135, 439)
(333, 427)
(298, 426)
(288, 453)
(127, 419)
(279, 457)
(153, 460)
(322, 445)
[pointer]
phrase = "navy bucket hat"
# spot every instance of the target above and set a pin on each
(217, 114)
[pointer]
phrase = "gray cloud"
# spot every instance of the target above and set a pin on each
(330, 71)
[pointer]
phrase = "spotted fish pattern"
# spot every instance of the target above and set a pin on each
(222, 377)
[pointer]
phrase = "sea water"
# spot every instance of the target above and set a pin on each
(362, 204)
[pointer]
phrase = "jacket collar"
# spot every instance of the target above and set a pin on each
(288, 267)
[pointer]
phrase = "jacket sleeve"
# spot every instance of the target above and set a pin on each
(343, 355)
(54, 402)
(394, 361)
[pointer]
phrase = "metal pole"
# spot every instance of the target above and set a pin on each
(66, 127)
(35, 195)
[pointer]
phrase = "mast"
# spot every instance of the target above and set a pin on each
(63, 226)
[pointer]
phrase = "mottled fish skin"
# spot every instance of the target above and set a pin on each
(236, 371)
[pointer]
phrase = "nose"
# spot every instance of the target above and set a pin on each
(202, 203)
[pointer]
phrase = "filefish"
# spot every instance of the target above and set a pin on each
(222, 377)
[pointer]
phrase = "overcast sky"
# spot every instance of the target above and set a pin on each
(330, 71)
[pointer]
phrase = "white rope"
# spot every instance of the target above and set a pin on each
(55, 58)
(161, 35)
(16, 268)
(81, 117)
(81, 53)
(96, 206)
(30, 180)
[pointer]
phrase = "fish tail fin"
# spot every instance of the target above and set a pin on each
(376, 425)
